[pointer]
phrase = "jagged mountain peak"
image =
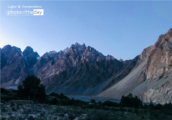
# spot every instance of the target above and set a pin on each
(30, 56)
(169, 31)
(52, 52)
(76, 44)
(121, 60)
(65, 50)
(91, 49)
(83, 44)
(28, 49)
(110, 57)
(9, 47)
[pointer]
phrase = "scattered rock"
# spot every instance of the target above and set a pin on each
(30, 117)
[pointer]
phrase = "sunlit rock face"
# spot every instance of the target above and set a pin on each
(159, 67)
(160, 60)
(157, 71)
(150, 79)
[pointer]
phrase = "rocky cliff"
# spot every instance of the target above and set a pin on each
(150, 79)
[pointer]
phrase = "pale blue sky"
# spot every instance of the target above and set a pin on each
(122, 29)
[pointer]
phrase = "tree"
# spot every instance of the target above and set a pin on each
(29, 84)
(130, 95)
(168, 105)
(158, 107)
(41, 93)
(53, 94)
(99, 103)
(54, 101)
(93, 101)
(151, 105)
(20, 91)
(130, 101)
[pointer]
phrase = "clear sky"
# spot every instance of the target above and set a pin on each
(122, 29)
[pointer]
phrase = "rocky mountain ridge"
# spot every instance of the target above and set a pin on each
(82, 70)
(78, 70)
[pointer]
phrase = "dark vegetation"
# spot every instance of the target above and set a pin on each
(33, 90)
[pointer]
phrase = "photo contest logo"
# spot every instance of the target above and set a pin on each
(23, 10)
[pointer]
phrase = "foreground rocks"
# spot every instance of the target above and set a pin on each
(53, 112)
(39, 112)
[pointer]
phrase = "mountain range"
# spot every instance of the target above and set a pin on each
(82, 70)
